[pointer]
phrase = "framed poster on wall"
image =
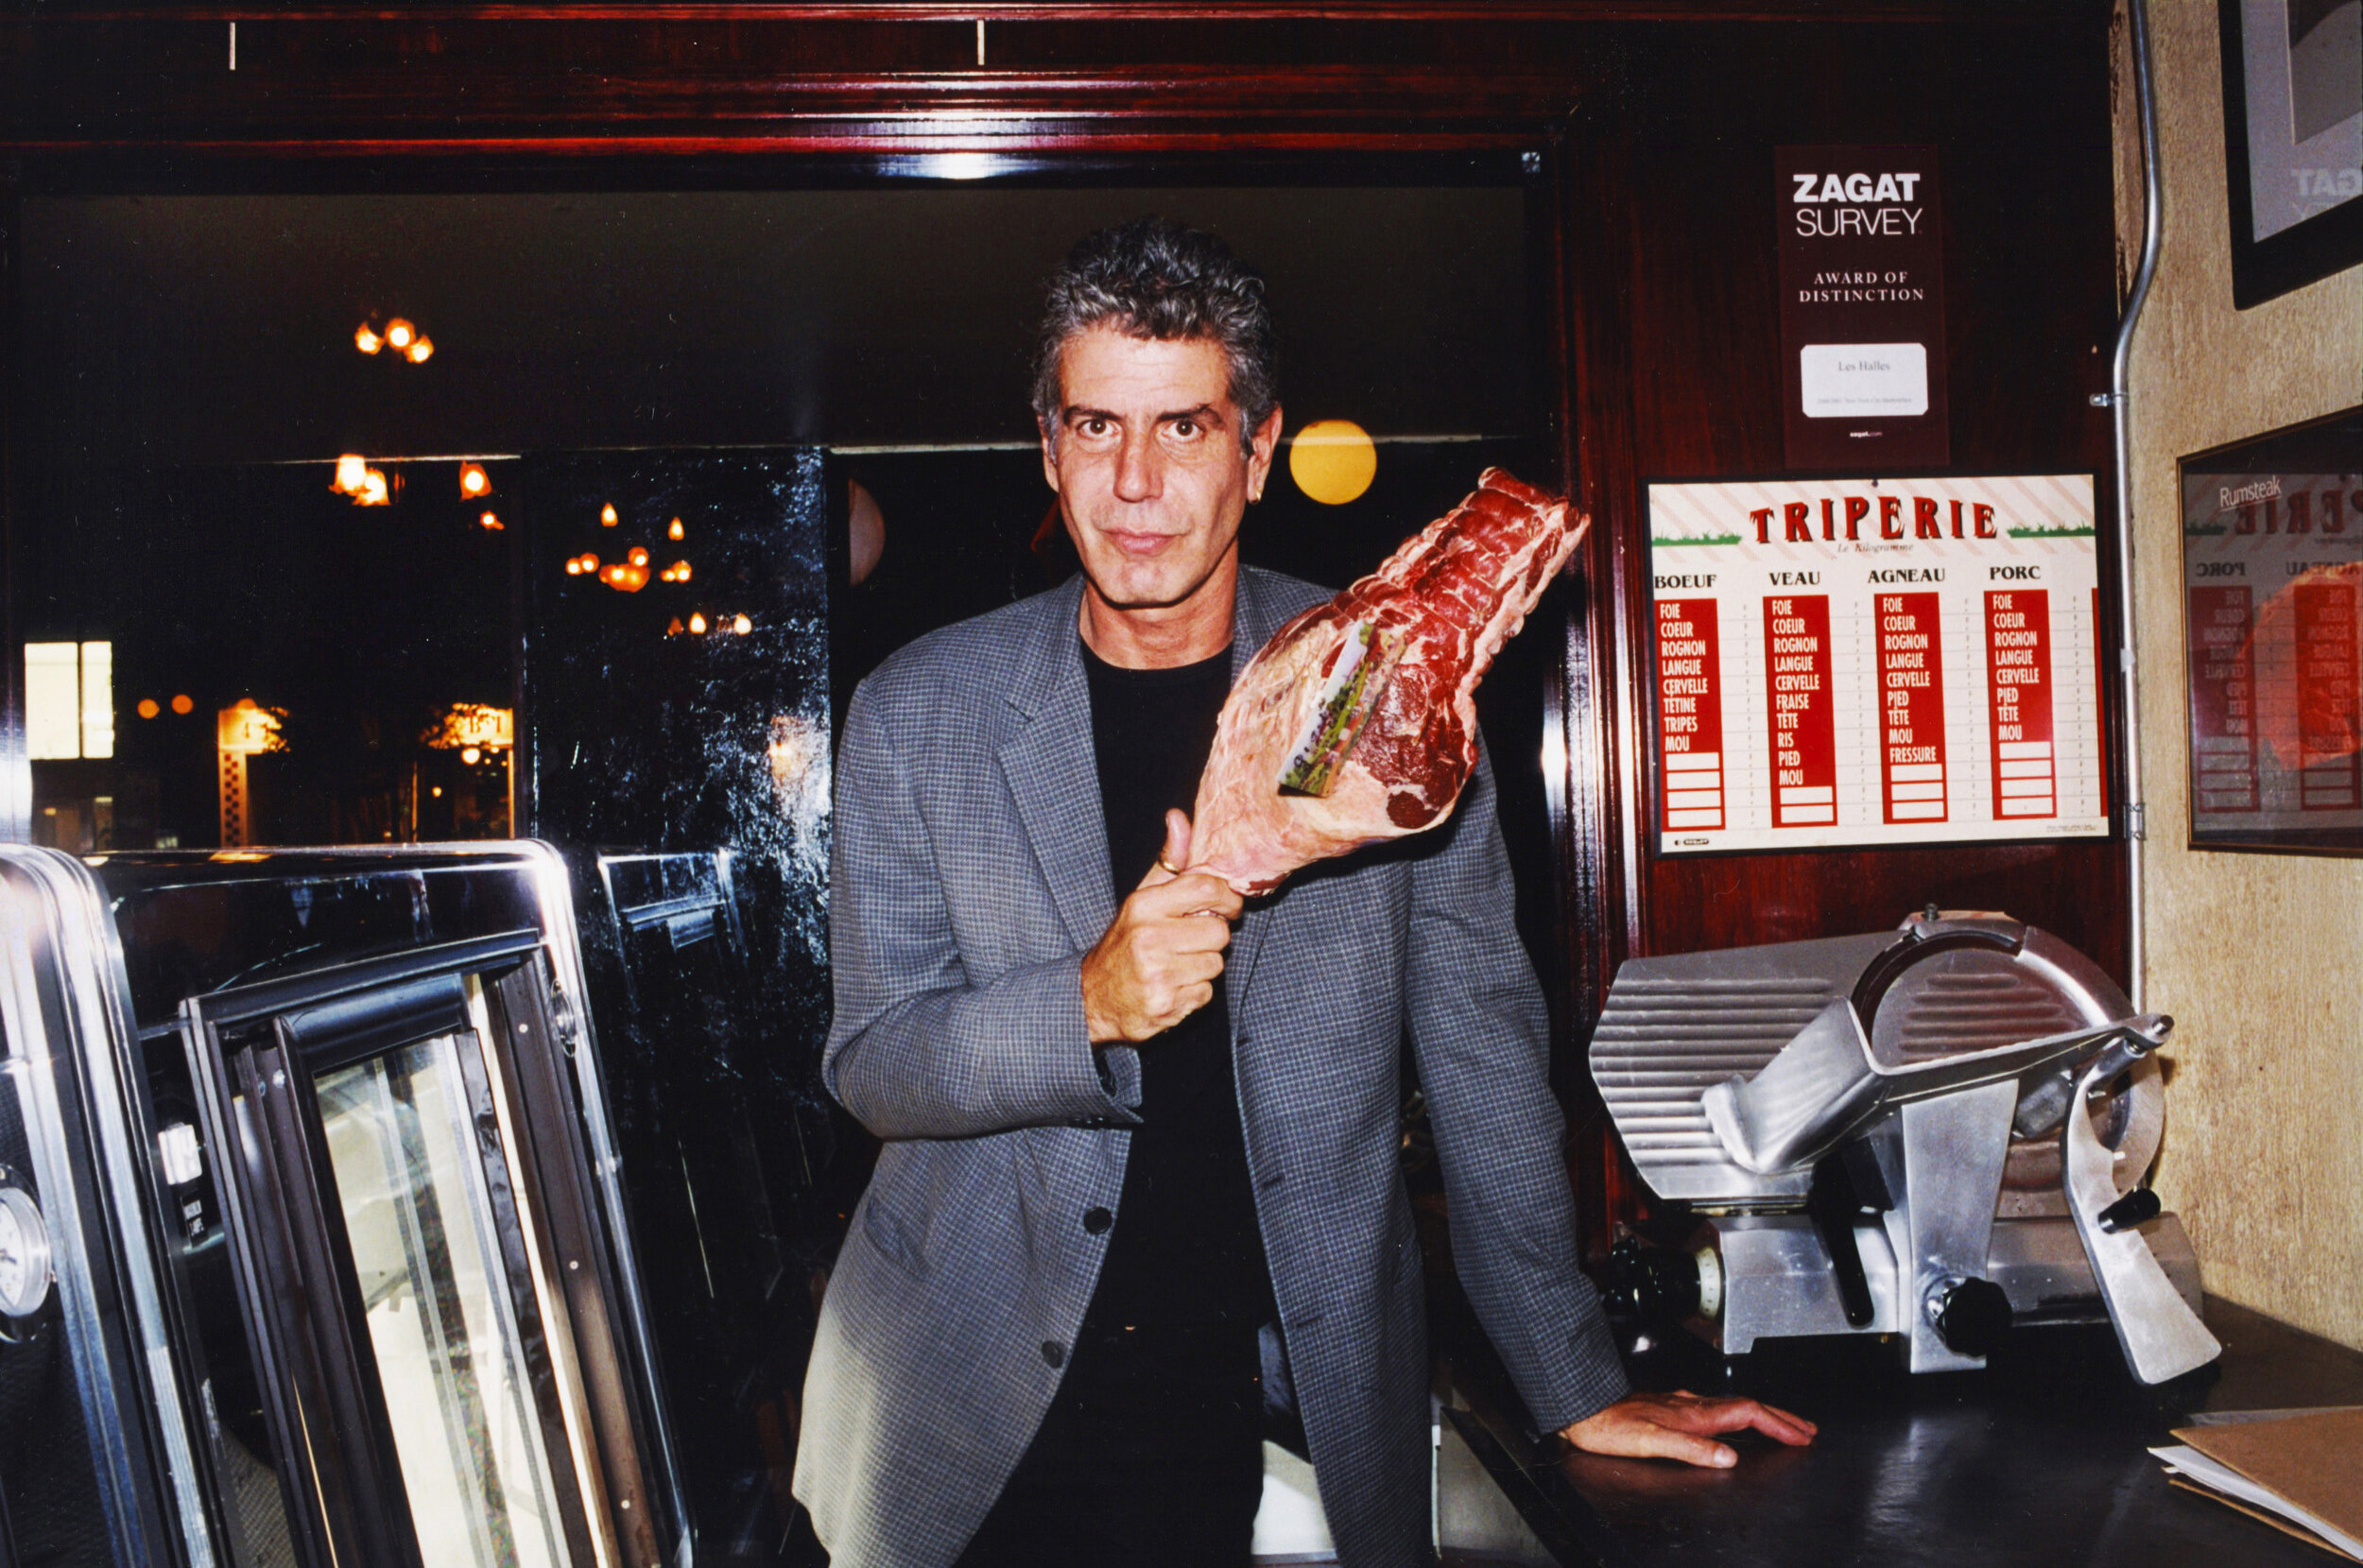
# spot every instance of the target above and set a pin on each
(1875, 662)
(2273, 585)
(2293, 141)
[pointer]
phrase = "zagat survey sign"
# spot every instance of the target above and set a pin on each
(1862, 307)
(1874, 662)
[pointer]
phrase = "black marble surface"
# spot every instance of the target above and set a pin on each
(650, 725)
(2041, 1459)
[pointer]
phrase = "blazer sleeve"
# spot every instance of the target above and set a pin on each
(1481, 1040)
(918, 1047)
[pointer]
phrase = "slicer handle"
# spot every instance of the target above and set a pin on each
(2137, 1207)
(1832, 1203)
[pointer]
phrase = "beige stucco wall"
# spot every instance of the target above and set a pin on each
(2259, 957)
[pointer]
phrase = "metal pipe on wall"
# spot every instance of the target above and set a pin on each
(2120, 371)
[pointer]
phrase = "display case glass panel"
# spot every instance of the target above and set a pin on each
(426, 1247)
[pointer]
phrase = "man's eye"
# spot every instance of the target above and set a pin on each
(1186, 429)
(1095, 427)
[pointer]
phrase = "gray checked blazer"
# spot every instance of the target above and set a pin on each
(970, 876)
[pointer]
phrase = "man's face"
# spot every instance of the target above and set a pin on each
(1149, 465)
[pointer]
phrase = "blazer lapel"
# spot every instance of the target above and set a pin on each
(1052, 773)
(1251, 625)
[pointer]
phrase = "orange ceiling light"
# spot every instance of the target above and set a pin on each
(365, 338)
(149, 708)
(697, 621)
(674, 532)
(399, 334)
(490, 522)
(607, 515)
(741, 624)
(374, 490)
(421, 347)
(473, 481)
(183, 705)
(353, 471)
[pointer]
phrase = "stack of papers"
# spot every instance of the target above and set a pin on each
(2301, 1472)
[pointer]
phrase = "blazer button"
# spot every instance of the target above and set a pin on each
(1053, 1352)
(1097, 1220)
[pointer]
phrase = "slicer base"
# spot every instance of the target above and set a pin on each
(1778, 1282)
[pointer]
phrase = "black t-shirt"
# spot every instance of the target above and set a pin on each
(1185, 1248)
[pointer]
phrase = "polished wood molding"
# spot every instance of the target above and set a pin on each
(996, 12)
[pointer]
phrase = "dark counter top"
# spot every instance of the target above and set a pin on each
(2041, 1459)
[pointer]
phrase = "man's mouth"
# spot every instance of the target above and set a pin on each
(1133, 543)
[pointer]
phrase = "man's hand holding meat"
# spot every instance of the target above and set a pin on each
(1159, 959)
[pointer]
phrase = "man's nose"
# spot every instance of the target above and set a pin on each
(1140, 468)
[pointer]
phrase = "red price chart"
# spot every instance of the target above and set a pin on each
(2272, 566)
(1877, 660)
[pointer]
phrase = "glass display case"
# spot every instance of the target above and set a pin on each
(342, 1117)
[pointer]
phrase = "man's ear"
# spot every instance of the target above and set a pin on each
(1266, 442)
(1049, 453)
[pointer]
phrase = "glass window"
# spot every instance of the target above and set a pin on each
(53, 701)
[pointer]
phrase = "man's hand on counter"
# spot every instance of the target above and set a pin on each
(1683, 1426)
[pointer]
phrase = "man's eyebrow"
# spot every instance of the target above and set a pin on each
(1205, 413)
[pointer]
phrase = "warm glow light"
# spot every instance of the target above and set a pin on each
(353, 471)
(639, 555)
(472, 727)
(400, 334)
(1333, 461)
(697, 621)
(674, 532)
(607, 515)
(419, 350)
(366, 340)
(247, 728)
(573, 566)
(473, 481)
(674, 631)
(149, 708)
(470, 755)
(437, 792)
(373, 492)
(590, 561)
(741, 624)
(678, 572)
(184, 704)
(491, 521)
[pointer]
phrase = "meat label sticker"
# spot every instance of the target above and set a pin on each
(1876, 661)
(2272, 565)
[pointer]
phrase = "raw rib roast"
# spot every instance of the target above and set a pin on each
(1357, 722)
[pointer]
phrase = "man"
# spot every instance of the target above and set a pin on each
(1119, 1138)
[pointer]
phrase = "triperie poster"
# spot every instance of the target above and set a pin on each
(1863, 662)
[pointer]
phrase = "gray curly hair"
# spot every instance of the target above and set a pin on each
(1154, 278)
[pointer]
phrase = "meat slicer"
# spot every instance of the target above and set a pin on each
(1934, 1134)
